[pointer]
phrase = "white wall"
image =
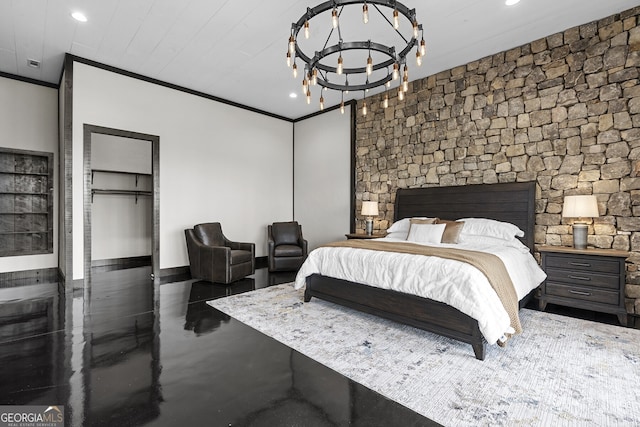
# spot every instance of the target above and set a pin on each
(217, 162)
(29, 121)
(121, 225)
(322, 176)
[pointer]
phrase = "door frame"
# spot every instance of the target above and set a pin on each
(88, 131)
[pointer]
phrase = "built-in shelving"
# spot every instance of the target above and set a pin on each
(26, 202)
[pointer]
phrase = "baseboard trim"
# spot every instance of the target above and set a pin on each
(175, 274)
(262, 262)
(29, 277)
(122, 263)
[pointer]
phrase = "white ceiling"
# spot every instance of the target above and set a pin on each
(236, 49)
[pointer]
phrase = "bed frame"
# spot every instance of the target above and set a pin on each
(510, 202)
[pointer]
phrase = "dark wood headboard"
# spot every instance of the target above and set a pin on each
(509, 202)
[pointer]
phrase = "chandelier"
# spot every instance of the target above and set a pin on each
(355, 62)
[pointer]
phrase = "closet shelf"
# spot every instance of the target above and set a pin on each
(106, 192)
(137, 174)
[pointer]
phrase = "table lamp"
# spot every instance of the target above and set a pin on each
(581, 208)
(369, 209)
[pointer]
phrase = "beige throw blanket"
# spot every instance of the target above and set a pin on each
(490, 265)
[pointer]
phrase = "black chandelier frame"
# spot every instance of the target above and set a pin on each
(314, 62)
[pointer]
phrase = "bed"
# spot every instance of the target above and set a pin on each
(507, 202)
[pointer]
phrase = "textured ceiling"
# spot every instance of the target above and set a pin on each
(236, 49)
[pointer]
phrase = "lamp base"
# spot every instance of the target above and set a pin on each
(369, 227)
(580, 236)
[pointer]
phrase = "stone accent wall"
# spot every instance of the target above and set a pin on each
(563, 111)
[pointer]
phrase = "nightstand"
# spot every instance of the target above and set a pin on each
(591, 279)
(365, 236)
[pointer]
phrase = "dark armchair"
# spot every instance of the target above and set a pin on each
(287, 248)
(214, 258)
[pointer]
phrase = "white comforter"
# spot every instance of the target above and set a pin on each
(455, 283)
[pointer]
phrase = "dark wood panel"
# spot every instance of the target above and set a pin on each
(509, 202)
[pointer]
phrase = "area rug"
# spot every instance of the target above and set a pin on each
(559, 371)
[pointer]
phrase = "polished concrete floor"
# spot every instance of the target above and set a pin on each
(128, 353)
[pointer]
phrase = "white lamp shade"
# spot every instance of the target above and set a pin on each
(580, 207)
(370, 208)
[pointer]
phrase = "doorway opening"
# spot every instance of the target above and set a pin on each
(121, 201)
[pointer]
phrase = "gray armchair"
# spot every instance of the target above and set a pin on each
(286, 246)
(214, 258)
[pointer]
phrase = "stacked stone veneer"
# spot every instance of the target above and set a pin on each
(563, 111)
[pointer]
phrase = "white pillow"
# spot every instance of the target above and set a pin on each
(485, 240)
(489, 228)
(403, 224)
(426, 233)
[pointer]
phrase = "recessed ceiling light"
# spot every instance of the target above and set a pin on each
(79, 16)
(293, 95)
(511, 2)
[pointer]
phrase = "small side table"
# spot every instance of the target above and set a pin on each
(593, 279)
(365, 236)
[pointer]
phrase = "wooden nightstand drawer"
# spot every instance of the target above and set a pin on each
(584, 263)
(586, 294)
(584, 278)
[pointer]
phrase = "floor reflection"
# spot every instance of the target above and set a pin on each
(201, 318)
(127, 352)
(121, 351)
(31, 345)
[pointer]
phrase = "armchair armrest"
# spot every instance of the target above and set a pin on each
(242, 246)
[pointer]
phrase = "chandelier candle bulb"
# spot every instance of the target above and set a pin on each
(369, 65)
(418, 58)
(423, 47)
(385, 102)
(340, 65)
(321, 103)
(288, 59)
(400, 94)
(295, 70)
(306, 29)
(334, 18)
(292, 44)
(308, 97)
(396, 71)
(365, 13)
(396, 21)
(342, 107)
(364, 107)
